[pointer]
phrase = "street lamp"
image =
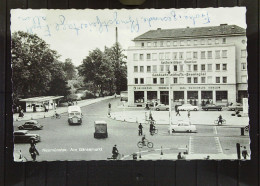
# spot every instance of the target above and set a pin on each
(170, 102)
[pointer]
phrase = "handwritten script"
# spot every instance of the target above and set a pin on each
(104, 23)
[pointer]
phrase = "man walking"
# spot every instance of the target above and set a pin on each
(188, 113)
(244, 153)
(109, 108)
(178, 112)
(140, 127)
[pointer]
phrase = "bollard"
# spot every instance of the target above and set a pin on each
(242, 131)
(161, 151)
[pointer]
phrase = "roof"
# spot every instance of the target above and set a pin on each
(74, 108)
(100, 122)
(188, 32)
(41, 98)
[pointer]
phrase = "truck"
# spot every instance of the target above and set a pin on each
(74, 115)
(124, 96)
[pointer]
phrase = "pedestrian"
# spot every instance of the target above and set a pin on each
(151, 128)
(115, 95)
(244, 153)
(178, 112)
(188, 113)
(109, 105)
(220, 119)
(33, 151)
(140, 131)
(179, 156)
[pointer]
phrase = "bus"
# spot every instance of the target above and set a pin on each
(74, 115)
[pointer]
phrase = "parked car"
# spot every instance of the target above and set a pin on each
(236, 106)
(30, 125)
(22, 136)
(100, 129)
(188, 107)
(162, 107)
(183, 126)
(212, 107)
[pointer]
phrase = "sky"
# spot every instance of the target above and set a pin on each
(74, 33)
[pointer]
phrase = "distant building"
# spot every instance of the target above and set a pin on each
(206, 64)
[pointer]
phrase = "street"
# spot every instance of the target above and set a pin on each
(60, 141)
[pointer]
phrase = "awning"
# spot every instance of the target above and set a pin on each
(41, 99)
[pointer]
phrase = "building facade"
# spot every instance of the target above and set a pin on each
(200, 65)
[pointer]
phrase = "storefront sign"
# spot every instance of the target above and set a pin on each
(142, 88)
(177, 62)
(177, 87)
(181, 74)
(200, 88)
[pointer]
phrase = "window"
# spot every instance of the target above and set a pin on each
(224, 40)
(161, 43)
(244, 79)
(175, 80)
(243, 53)
(161, 80)
(217, 66)
(216, 41)
(181, 67)
(174, 43)
(195, 55)
(161, 68)
(180, 55)
(168, 43)
(189, 67)
(188, 42)
(203, 68)
(136, 80)
(217, 53)
(217, 79)
(141, 68)
(209, 54)
(141, 57)
(209, 78)
(155, 44)
(224, 66)
(135, 57)
(195, 42)
(195, 80)
(209, 67)
(161, 56)
(188, 79)
(175, 68)
(203, 80)
(195, 67)
(141, 80)
(202, 42)
(148, 56)
(209, 42)
(174, 55)
(188, 55)
(135, 68)
(154, 80)
(154, 56)
(149, 44)
(182, 42)
(224, 79)
(148, 68)
(154, 68)
(142, 44)
(203, 55)
(243, 66)
(167, 68)
(224, 53)
(167, 55)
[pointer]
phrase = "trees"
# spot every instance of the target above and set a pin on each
(69, 69)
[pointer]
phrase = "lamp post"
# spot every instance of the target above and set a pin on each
(170, 102)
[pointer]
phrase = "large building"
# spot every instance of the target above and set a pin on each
(202, 65)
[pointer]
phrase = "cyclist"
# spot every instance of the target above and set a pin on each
(220, 119)
(144, 140)
(152, 127)
(114, 152)
(56, 114)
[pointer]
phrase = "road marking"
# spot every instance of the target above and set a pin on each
(215, 130)
(218, 145)
(191, 150)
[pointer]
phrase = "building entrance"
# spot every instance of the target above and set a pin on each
(139, 96)
(241, 94)
(164, 97)
(222, 97)
(192, 97)
(178, 97)
(206, 97)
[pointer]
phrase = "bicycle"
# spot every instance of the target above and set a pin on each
(56, 116)
(116, 157)
(217, 122)
(141, 144)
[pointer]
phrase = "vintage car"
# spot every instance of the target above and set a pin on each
(162, 107)
(22, 136)
(236, 106)
(188, 107)
(183, 126)
(100, 129)
(74, 115)
(212, 107)
(30, 125)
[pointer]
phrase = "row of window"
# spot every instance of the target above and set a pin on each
(184, 42)
(189, 67)
(180, 80)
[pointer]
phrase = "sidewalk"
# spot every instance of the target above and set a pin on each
(59, 110)
(162, 117)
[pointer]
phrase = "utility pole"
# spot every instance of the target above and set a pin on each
(170, 101)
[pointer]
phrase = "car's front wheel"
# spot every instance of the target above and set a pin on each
(20, 128)
(167, 109)
(157, 109)
(219, 109)
(195, 109)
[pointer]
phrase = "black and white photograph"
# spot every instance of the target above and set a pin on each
(110, 84)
